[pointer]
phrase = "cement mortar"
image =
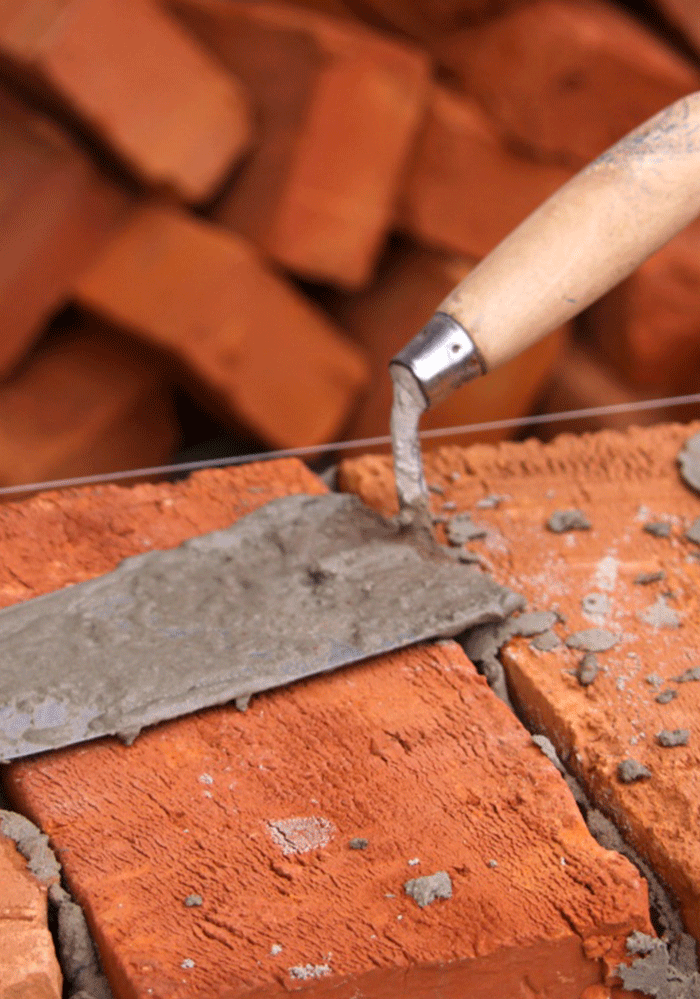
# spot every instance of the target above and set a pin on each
(689, 461)
(408, 406)
(303, 585)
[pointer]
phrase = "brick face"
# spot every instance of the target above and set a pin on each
(135, 79)
(322, 86)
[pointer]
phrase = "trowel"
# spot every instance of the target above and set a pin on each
(310, 583)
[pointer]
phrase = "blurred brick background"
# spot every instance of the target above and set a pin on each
(219, 219)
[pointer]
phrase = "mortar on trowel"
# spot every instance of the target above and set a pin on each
(580, 243)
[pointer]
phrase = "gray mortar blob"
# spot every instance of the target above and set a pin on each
(592, 640)
(653, 973)
(461, 528)
(666, 696)
(282, 594)
(673, 737)
(658, 528)
(429, 888)
(546, 642)
(689, 461)
(532, 623)
(546, 747)
(562, 521)
(629, 771)
(192, 901)
(645, 578)
(587, 670)
(659, 615)
(597, 604)
(689, 676)
(358, 843)
(693, 532)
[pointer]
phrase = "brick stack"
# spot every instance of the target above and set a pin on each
(215, 185)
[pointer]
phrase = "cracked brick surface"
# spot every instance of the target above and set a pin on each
(620, 482)
(252, 813)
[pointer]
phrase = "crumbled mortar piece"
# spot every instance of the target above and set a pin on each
(629, 771)
(467, 556)
(546, 747)
(660, 615)
(434, 488)
(449, 505)
(653, 974)
(429, 888)
(461, 528)
(596, 604)
(193, 900)
(654, 680)
(493, 864)
(587, 670)
(276, 949)
(305, 972)
(693, 532)
(546, 642)
(568, 520)
(673, 737)
(532, 623)
(358, 843)
(645, 578)
(689, 676)
(666, 696)
(592, 640)
(689, 461)
(658, 528)
(491, 502)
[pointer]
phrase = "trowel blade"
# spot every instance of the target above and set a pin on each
(303, 585)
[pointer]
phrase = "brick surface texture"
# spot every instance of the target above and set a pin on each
(253, 812)
(56, 210)
(247, 340)
(620, 481)
(132, 75)
(28, 965)
(567, 77)
(322, 86)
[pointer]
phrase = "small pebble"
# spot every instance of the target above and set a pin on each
(546, 642)
(430, 887)
(193, 900)
(592, 640)
(276, 949)
(665, 696)
(644, 578)
(693, 532)
(629, 771)
(492, 863)
(659, 528)
(689, 676)
(674, 737)
(489, 502)
(568, 520)
(587, 670)
(413, 861)
(187, 963)
(358, 843)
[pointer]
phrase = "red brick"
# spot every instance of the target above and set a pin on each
(254, 348)
(583, 379)
(567, 77)
(134, 77)
(425, 21)
(465, 188)
(86, 402)
(683, 14)
(620, 481)
(649, 326)
(28, 965)
(384, 319)
(398, 750)
(56, 210)
(339, 109)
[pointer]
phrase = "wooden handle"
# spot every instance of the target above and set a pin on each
(586, 238)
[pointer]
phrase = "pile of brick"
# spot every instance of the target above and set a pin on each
(252, 205)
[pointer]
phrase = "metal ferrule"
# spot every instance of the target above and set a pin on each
(441, 357)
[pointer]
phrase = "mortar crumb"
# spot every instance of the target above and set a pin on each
(187, 963)
(645, 578)
(587, 670)
(658, 528)
(193, 900)
(631, 770)
(546, 642)
(358, 843)
(568, 520)
(665, 696)
(675, 737)
(688, 676)
(492, 864)
(654, 680)
(693, 532)
(592, 640)
(429, 888)
(276, 949)
(461, 528)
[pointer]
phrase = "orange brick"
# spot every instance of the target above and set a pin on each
(339, 109)
(260, 352)
(56, 210)
(384, 319)
(620, 481)
(465, 189)
(567, 77)
(132, 75)
(649, 326)
(28, 965)
(397, 750)
(87, 401)
(425, 21)
(683, 14)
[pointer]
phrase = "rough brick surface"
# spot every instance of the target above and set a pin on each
(649, 326)
(465, 189)
(86, 402)
(582, 380)
(391, 312)
(133, 76)
(620, 482)
(56, 210)
(28, 965)
(321, 85)
(567, 77)
(253, 347)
